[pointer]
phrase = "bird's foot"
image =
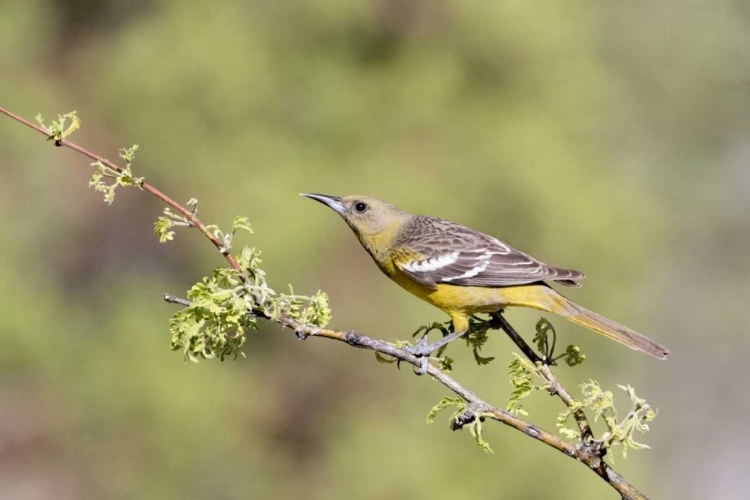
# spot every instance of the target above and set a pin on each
(422, 350)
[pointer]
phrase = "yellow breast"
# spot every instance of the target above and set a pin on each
(449, 298)
(455, 299)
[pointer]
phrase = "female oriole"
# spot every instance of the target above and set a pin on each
(464, 272)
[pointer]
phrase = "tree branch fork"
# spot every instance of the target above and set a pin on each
(588, 451)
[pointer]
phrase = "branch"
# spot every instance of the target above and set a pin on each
(586, 453)
(554, 387)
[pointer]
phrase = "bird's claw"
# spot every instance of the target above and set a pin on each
(424, 363)
(422, 351)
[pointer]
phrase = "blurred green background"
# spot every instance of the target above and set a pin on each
(610, 137)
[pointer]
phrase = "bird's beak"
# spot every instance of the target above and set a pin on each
(332, 201)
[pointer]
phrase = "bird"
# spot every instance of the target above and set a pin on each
(465, 272)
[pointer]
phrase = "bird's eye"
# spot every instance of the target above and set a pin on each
(360, 207)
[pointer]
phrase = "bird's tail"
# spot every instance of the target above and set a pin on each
(617, 332)
(561, 306)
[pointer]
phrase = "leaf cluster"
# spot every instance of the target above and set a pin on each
(170, 220)
(59, 129)
(602, 404)
(226, 305)
(619, 431)
(521, 375)
(122, 177)
(476, 337)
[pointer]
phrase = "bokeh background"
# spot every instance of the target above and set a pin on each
(610, 137)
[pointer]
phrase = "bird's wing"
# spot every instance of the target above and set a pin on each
(432, 251)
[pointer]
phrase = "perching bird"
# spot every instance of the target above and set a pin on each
(464, 272)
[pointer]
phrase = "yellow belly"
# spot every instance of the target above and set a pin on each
(460, 301)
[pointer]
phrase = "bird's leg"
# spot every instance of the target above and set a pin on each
(423, 350)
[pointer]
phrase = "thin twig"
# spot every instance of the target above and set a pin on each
(581, 453)
(554, 387)
(497, 320)
(188, 214)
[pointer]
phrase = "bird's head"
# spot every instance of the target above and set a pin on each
(368, 217)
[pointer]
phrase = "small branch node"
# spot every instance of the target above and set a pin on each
(462, 420)
(533, 431)
(473, 412)
(353, 338)
(301, 335)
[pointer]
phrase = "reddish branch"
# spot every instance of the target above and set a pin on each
(188, 214)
